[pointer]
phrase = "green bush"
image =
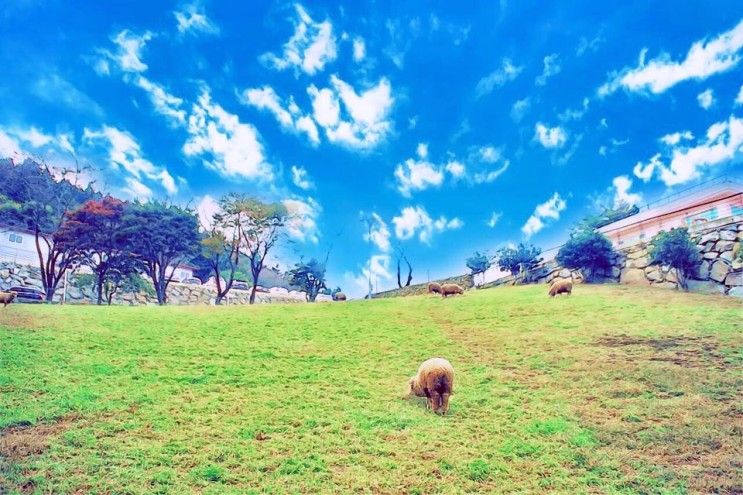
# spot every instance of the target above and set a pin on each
(587, 252)
(676, 249)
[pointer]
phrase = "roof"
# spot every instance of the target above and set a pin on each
(684, 200)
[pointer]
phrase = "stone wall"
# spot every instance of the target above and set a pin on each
(465, 281)
(719, 272)
(12, 274)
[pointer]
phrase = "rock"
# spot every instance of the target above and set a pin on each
(727, 235)
(719, 271)
(710, 256)
(721, 246)
(736, 292)
(639, 263)
(615, 272)
(737, 264)
(734, 278)
(672, 276)
(706, 287)
(637, 254)
(664, 285)
(727, 256)
(633, 276)
(712, 236)
(653, 274)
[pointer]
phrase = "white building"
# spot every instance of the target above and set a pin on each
(18, 246)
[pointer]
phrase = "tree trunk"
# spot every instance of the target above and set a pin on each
(252, 294)
(99, 289)
(218, 299)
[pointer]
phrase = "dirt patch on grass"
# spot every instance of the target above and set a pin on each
(686, 351)
(19, 442)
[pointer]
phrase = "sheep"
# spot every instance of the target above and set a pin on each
(435, 381)
(434, 288)
(560, 287)
(7, 297)
(339, 296)
(451, 289)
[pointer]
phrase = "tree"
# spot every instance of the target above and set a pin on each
(123, 276)
(34, 198)
(219, 254)
(92, 230)
(478, 263)
(160, 237)
(310, 276)
(609, 214)
(587, 252)
(259, 226)
(676, 249)
(520, 259)
(401, 256)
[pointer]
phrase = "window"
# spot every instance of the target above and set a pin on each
(15, 238)
(737, 210)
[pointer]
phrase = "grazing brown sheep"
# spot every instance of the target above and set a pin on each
(435, 381)
(339, 296)
(451, 289)
(434, 288)
(560, 287)
(7, 297)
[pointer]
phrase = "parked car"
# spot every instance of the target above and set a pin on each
(240, 286)
(260, 288)
(192, 281)
(28, 294)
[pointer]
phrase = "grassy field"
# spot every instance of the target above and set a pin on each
(613, 390)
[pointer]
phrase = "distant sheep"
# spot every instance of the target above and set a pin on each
(451, 289)
(435, 381)
(561, 287)
(434, 288)
(339, 296)
(7, 297)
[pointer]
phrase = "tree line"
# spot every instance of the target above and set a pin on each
(75, 226)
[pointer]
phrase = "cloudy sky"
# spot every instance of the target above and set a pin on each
(433, 128)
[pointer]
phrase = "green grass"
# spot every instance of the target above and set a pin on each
(611, 390)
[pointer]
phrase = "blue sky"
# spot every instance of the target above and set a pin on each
(448, 127)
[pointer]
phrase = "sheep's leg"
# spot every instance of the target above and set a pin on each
(435, 401)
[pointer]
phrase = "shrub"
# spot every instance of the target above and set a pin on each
(676, 249)
(522, 258)
(587, 252)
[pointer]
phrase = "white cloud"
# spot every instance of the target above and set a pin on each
(550, 137)
(301, 178)
(519, 109)
(415, 221)
(164, 102)
(365, 123)
(206, 208)
(17, 142)
(417, 175)
(507, 72)
(549, 210)
(706, 99)
(575, 114)
(126, 154)
(379, 233)
(723, 143)
(54, 89)
(226, 145)
(377, 267)
(359, 49)
(136, 189)
(739, 98)
(676, 137)
(310, 48)
(302, 222)
(585, 45)
(287, 113)
(551, 68)
(456, 169)
(422, 151)
(494, 219)
(130, 46)
(705, 58)
(622, 195)
(192, 19)
(488, 176)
